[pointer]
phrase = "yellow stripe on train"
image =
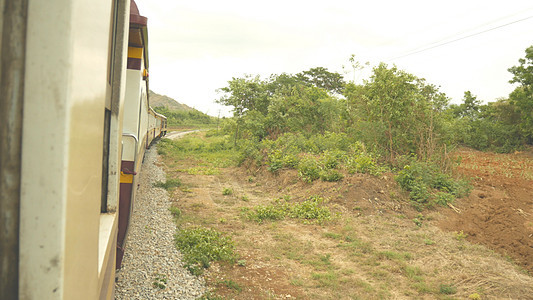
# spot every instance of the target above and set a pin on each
(135, 52)
(126, 178)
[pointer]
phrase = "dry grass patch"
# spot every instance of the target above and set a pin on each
(373, 249)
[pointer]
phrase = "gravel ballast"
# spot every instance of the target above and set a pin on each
(151, 256)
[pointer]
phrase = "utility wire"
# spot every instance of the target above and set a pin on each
(461, 38)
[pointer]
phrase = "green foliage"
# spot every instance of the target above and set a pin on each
(309, 169)
(282, 158)
(427, 185)
(201, 246)
(493, 127)
(331, 159)
(190, 118)
(359, 161)
(160, 281)
(263, 213)
(169, 184)
(312, 209)
(230, 284)
(227, 191)
(443, 198)
(504, 125)
(397, 113)
(330, 175)
(447, 289)
(215, 151)
(322, 78)
(460, 235)
(522, 97)
(176, 212)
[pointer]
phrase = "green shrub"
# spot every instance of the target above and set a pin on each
(278, 158)
(201, 246)
(176, 212)
(268, 212)
(169, 184)
(426, 184)
(311, 209)
(160, 281)
(275, 160)
(330, 175)
(419, 192)
(447, 289)
(331, 159)
(227, 191)
(363, 163)
(443, 198)
(309, 169)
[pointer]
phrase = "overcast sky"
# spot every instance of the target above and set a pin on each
(196, 47)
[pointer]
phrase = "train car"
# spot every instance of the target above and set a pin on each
(138, 125)
(160, 126)
(74, 125)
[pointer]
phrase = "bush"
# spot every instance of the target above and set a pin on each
(310, 209)
(169, 184)
(282, 158)
(309, 169)
(363, 163)
(443, 198)
(427, 184)
(331, 159)
(227, 191)
(330, 175)
(269, 212)
(200, 246)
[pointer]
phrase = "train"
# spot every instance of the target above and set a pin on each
(75, 122)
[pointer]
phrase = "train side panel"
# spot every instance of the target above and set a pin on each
(135, 123)
(66, 243)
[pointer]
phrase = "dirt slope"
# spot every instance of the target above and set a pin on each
(499, 211)
(379, 247)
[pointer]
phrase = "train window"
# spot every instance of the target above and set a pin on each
(111, 57)
(105, 160)
(110, 115)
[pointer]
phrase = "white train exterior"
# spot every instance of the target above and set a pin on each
(74, 117)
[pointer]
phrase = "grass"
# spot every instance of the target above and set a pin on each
(160, 281)
(175, 211)
(207, 153)
(365, 254)
(206, 170)
(227, 191)
(311, 210)
(230, 284)
(169, 184)
(201, 246)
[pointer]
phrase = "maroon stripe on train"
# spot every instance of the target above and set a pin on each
(125, 206)
(135, 16)
(134, 63)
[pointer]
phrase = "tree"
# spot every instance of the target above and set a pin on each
(309, 110)
(522, 96)
(399, 110)
(244, 94)
(320, 77)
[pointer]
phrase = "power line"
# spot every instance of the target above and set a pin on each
(461, 38)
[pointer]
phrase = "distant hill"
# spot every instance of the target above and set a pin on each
(157, 100)
(179, 115)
